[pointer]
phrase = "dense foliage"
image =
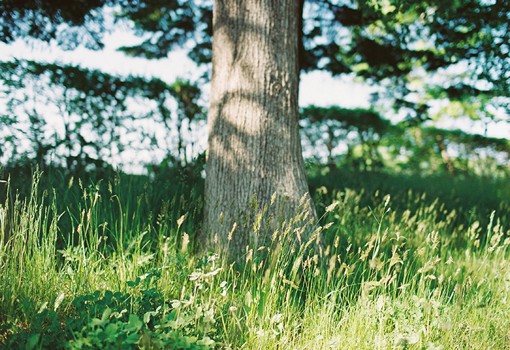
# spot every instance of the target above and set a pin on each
(91, 119)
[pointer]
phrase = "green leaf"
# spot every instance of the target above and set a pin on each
(132, 338)
(111, 331)
(96, 322)
(147, 316)
(106, 314)
(33, 341)
(134, 283)
(206, 341)
(135, 324)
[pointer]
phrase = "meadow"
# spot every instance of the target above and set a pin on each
(408, 262)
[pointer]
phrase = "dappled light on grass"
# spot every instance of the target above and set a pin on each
(108, 272)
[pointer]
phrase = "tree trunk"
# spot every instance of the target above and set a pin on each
(330, 146)
(444, 155)
(254, 159)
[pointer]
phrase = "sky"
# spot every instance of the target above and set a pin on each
(317, 88)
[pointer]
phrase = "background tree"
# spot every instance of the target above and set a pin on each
(87, 118)
(363, 140)
(360, 130)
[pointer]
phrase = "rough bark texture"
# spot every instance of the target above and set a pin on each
(254, 145)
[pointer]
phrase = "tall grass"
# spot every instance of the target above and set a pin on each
(110, 265)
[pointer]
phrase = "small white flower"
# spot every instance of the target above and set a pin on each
(276, 318)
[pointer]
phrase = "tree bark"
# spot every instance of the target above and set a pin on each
(444, 155)
(254, 159)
